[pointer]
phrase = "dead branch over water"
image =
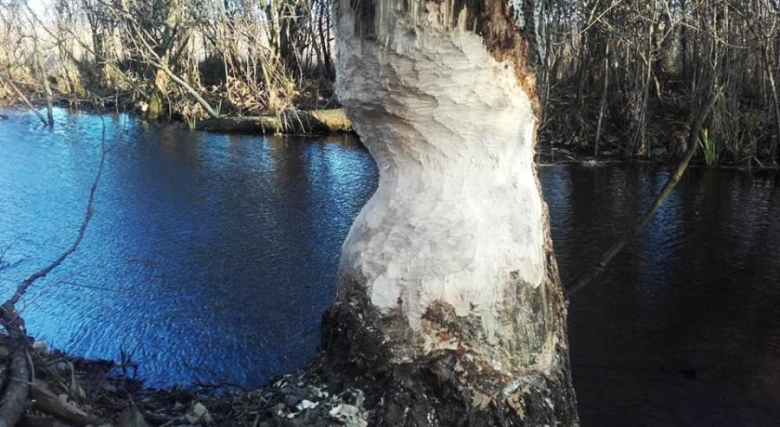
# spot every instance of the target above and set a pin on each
(21, 383)
(674, 178)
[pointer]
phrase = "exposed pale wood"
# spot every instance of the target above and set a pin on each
(449, 309)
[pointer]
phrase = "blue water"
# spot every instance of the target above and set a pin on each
(210, 257)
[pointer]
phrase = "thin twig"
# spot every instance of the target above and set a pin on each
(21, 290)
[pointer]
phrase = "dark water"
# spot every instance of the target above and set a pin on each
(211, 258)
(684, 329)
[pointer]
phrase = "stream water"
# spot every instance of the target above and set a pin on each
(211, 258)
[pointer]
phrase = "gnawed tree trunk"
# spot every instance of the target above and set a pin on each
(450, 309)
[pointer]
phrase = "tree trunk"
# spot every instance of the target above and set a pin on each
(157, 99)
(450, 309)
(603, 102)
(46, 87)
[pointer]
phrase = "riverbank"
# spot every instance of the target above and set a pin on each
(287, 122)
(334, 121)
(75, 391)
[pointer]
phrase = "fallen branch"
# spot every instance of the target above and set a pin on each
(22, 288)
(26, 101)
(305, 122)
(203, 103)
(48, 403)
(659, 200)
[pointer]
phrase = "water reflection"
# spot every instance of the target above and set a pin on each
(683, 329)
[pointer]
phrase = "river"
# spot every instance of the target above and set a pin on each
(211, 258)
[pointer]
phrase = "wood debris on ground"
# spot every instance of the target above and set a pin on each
(72, 391)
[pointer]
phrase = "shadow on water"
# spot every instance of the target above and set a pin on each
(212, 258)
(684, 328)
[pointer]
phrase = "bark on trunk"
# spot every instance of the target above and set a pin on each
(449, 310)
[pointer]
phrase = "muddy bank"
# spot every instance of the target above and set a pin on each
(105, 393)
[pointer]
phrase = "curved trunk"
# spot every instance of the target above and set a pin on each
(450, 309)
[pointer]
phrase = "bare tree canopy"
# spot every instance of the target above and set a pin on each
(615, 78)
